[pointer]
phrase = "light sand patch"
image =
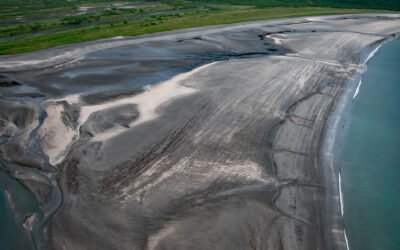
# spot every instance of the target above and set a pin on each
(164, 233)
(315, 19)
(29, 221)
(10, 200)
(55, 136)
(85, 8)
(276, 40)
(71, 99)
(147, 102)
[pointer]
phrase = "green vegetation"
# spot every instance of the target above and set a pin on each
(373, 4)
(28, 25)
(365, 4)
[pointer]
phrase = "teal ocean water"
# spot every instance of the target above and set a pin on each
(369, 161)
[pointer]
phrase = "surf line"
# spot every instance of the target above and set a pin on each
(365, 62)
(342, 210)
(370, 55)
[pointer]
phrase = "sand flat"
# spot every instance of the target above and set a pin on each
(225, 149)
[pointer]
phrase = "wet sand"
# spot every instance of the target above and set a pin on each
(205, 138)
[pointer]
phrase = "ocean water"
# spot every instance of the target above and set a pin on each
(13, 235)
(369, 160)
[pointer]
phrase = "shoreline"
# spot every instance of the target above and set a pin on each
(338, 122)
(367, 183)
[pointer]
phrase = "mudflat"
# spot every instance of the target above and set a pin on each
(208, 138)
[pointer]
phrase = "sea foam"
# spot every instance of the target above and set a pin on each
(342, 210)
(341, 195)
(365, 62)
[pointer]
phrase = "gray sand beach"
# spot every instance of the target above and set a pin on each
(207, 138)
